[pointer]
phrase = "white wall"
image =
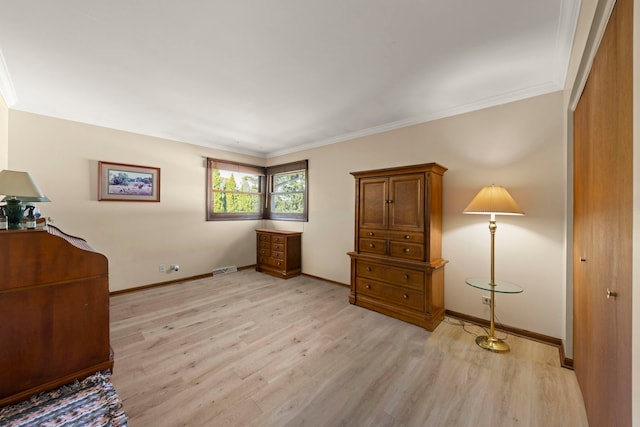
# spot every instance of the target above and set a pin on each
(518, 145)
(63, 158)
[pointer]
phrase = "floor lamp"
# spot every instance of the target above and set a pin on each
(493, 200)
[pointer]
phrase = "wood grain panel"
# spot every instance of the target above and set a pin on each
(603, 208)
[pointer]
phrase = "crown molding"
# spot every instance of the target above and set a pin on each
(493, 101)
(603, 12)
(568, 22)
(6, 85)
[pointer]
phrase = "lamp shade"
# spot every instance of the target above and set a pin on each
(28, 199)
(493, 200)
(19, 185)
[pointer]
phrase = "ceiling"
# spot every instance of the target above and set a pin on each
(271, 77)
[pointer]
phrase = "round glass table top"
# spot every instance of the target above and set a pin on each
(500, 286)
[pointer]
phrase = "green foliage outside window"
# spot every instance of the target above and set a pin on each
(239, 191)
(288, 192)
(235, 196)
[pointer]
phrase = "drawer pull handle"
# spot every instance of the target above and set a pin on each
(405, 296)
(407, 237)
(371, 233)
(371, 245)
(368, 268)
(407, 250)
(406, 277)
(368, 286)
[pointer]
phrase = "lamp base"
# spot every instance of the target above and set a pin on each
(492, 344)
(15, 212)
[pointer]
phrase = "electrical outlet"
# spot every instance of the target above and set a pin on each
(486, 300)
(162, 268)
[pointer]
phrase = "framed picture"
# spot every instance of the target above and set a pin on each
(131, 183)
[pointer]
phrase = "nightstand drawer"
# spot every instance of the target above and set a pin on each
(263, 252)
(264, 237)
(277, 239)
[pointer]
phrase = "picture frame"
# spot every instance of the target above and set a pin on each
(128, 183)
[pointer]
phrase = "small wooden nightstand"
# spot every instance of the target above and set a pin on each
(278, 253)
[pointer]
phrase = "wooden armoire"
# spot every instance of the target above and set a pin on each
(397, 267)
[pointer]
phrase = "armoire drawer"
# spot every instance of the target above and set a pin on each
(406, 250)
(413, 279)
(405, 297)
(373, 246)
(403, 236)
(374, 234)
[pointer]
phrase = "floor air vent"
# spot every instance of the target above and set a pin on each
(224, 270)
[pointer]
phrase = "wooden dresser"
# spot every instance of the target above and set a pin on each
(54, 311)
(397, 266)
(278, 252)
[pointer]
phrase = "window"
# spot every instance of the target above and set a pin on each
(288, 191)
(240, 191)
(234, 191)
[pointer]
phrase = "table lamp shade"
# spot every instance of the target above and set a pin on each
(19, 185)
(493, 200)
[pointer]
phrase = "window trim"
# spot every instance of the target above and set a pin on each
(266, 190)
(233, 167)
(285, 168)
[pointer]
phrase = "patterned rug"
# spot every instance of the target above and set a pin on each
(90, 402)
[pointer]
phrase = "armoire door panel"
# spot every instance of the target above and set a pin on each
(406, 210)
(374, 195)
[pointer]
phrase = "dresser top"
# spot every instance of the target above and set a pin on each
(288, 233)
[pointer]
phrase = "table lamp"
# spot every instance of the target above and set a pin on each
(17, 187)
(493, 200)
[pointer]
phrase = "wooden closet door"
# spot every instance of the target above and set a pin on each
(603, 197)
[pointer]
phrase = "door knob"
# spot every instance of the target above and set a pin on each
(611, 294)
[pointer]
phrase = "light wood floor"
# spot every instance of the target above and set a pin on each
(247, 349)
